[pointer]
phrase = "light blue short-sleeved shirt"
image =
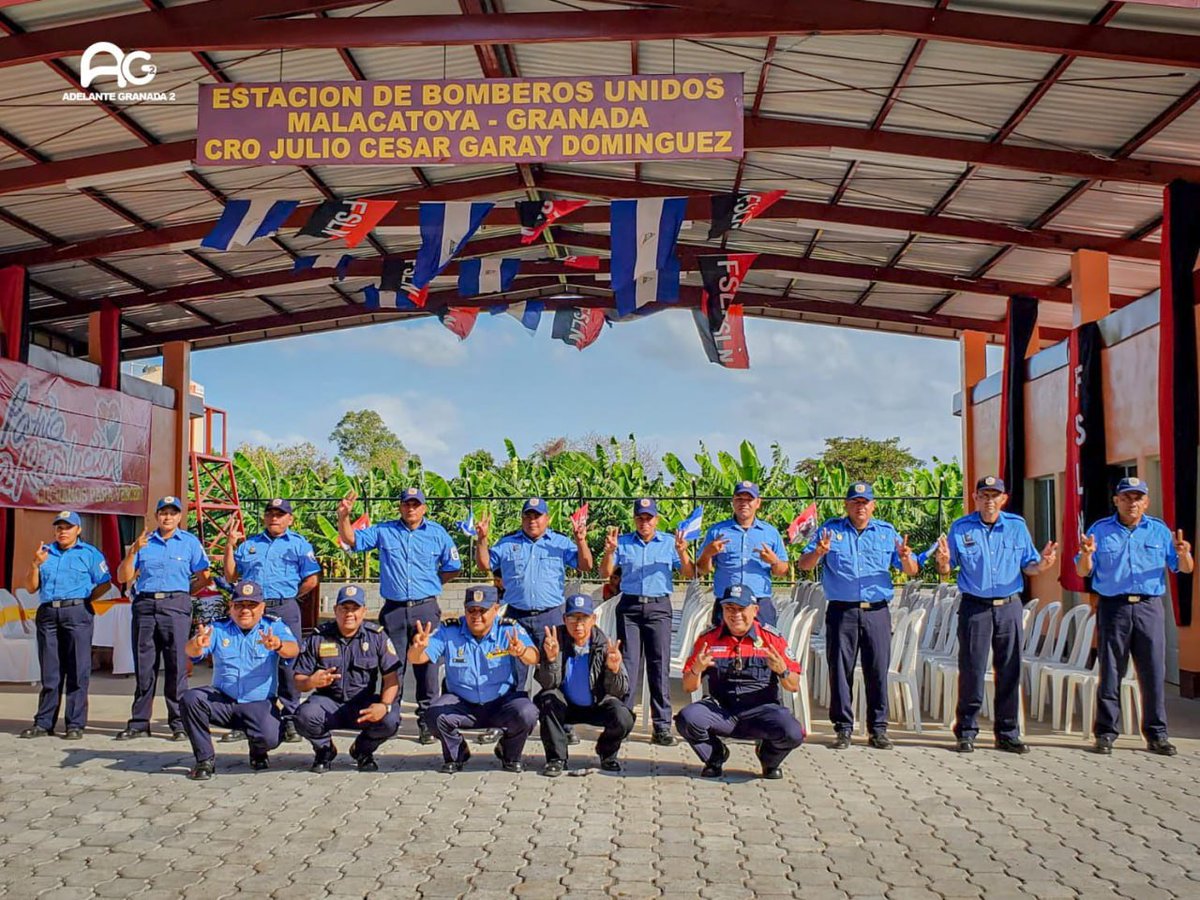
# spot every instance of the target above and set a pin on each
(411, 560)
(277, 564)
(479, 670)
(1132, 560)
(534, 572)
(990, 560)
(857, 568)
(168, 565)
(646, 566)
(242, 667)
(738, 563)
(72, 573)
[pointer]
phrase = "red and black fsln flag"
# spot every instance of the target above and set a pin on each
(1178, 390)
(578, 327)
(732, 211)
(349, 220)
(536, 215)
(722, 274)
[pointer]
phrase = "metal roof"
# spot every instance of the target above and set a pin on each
(936, 155)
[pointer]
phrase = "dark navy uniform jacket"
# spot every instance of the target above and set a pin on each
(358, 659)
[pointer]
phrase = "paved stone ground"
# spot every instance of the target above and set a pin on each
(98, 818)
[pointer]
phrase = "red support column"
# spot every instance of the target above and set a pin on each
(14, 320)
(104, 348)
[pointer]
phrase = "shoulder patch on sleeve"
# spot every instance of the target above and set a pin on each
(267, 617)
(770, 629)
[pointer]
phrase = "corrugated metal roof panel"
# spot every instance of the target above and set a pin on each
(1004, 195)
(832, 78)
(1132, 276)
(1177, 142)
(698, 174)
(947, 255)
(893, 296)
(575, 59)
(1033, 266)
(365, 181)
(976, 306)
(896, 187)
(1111, 209)
(416, 63)
(250, 182)
(1050, 10)
(73, 217)
(48, 13)
(161, 269)
(167, 202)
(276, 66)
(603, 170)
(1103, 111)
(82, 280)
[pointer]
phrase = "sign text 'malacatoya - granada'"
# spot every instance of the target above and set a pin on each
(620, 117)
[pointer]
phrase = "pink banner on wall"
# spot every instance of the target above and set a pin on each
(66, 445)
(487, 120)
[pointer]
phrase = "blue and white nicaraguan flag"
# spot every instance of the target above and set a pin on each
(528, 313)
(376, 298)
(489, 275)
(691, 528)
(339, 262)
(644, 266)
(445, 227)
(243, 221)
(467, 525)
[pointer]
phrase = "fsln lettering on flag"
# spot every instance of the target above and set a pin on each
(445, 228)
(459, 320)
(487, 275)
(644, 266)
(578, 328)
(398, 276)
(243, 221)
(804, 526)
(722, 275)
(347, 220)
(732, 211)
(725, 346)
(537, 215)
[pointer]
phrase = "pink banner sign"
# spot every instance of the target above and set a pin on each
(471, 121)
(69, 446)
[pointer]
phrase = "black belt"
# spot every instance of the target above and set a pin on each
(992, 601)
(58, 604)
(408, 602)
(278, 601)
(158, 595)
(860, 604)
(1129, 598)
(641, 598)
(518, 612)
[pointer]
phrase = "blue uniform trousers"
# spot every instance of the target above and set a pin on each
(703, 723)
(289, 695)
(644, 630)
(557, 712)
(983, 626)
(319, 715)
(160, 632)
(64, 644)
(850, 632)
(514, 713)
(400, 620)
(767, 613)
(206, 706)
(1131, 628)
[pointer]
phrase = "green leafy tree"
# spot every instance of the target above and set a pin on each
(861, 457)
(289, 460)
(365, 442)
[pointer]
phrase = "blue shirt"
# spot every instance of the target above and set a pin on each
(72, 573)
(646, 566)
(577, 676)
(990, 560)
(479, 670)
(242, 667)
(1132, 560)
(169, 565)
(278, 565)
(410, 559)
(534, 572)
(738, 563)
(858, 566)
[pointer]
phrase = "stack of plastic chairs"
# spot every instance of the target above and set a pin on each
(940, 661)
(1039, 637)
(904, 691)
(1059, 652)
(1088, 685)
(900, 619)
(696, 614)
(798, 637)
(1054, 674)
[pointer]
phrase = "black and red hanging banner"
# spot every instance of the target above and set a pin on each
(732, 211)
(1087, 492)
(1022, 319)
(726, 345)
(578, 328)
(722, 275)
(537, 215)
(348, 220)
(1178, 390)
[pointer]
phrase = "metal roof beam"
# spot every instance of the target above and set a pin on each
(207, 26)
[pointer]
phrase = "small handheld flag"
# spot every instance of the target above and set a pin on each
(358, 525)
(691, 527)
(804, 526)
(467, 525)
(579, 518)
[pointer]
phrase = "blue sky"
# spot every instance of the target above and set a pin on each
(650, 378)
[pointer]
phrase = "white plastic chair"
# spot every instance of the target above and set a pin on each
(904, 676)
(798, 638)
(1089, 685)
(1040, 638)
(1055, 675)
(1062, 649)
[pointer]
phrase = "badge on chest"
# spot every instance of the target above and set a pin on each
(327, 650)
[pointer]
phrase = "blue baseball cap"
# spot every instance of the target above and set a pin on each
(481, 596)
(739, 594)
(860, 490)
(745, 487)
(645, 506)
(990, 483)
(412, 493)
(247, 590)
(168, 500)
(1133, 485)
(351, 593)
(535, 504)
(579, 604)
(70, 518)
(284, 506)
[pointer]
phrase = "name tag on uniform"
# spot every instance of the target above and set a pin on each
(496, 654)
(720, 651)
(969, 540)
(326, 650)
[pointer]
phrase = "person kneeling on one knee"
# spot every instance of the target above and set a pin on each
(339, 664)
(246, 648)
(485, 660)
(583, 681)
(744, 663)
